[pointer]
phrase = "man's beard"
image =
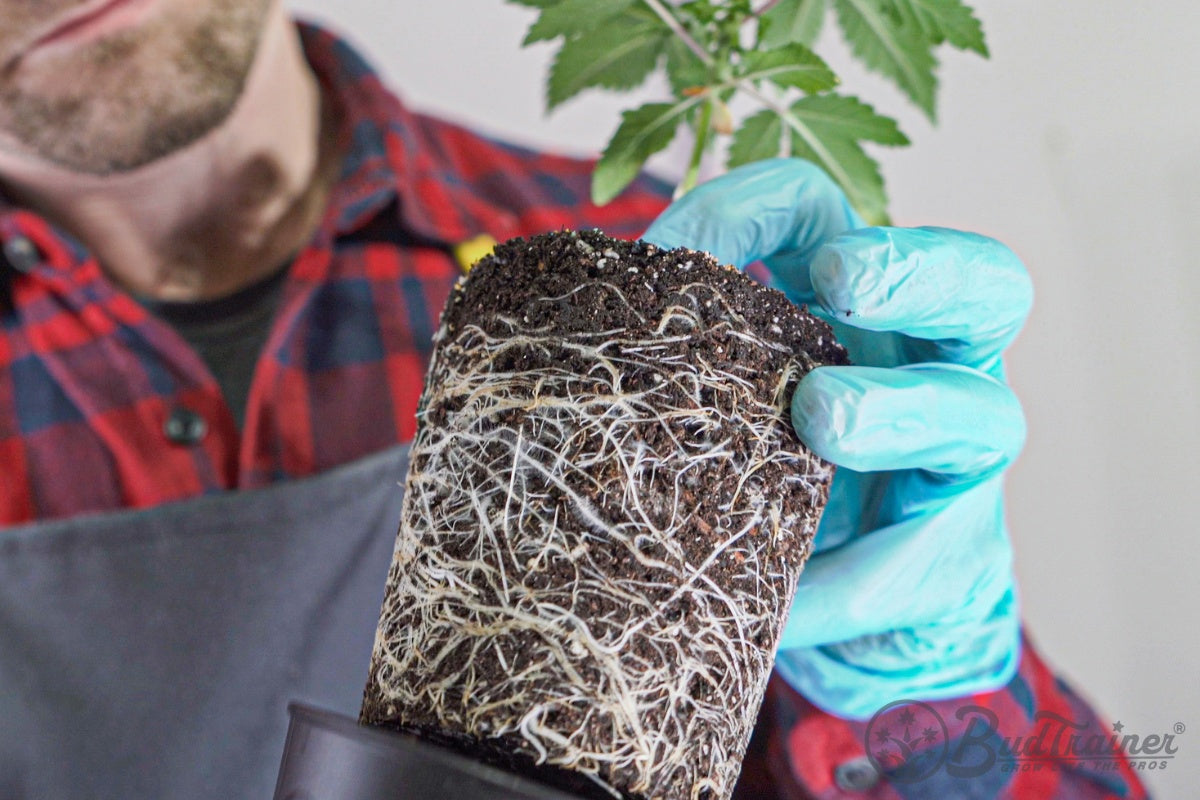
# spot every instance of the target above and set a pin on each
(139, 94)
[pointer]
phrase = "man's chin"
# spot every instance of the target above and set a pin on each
(94, 145)
(125, 101)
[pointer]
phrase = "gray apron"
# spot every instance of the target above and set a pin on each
(152, 654)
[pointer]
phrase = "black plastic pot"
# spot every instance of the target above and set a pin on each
(331, 757)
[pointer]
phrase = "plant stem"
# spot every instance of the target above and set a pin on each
(705, 123)
(677, 28)
(765, 7)
(701, 144)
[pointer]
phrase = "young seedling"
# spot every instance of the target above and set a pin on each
(712, 50)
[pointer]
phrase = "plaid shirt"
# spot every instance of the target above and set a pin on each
(92, 386)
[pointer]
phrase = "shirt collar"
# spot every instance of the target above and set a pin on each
(394, 154)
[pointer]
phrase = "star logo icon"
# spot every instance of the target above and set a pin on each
(906, 740)
(1118, 727)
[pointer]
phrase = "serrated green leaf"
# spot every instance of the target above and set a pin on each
(760, 137)
(793, 65)
(858, 174)
(789, 21)
(896, 51)
(572, 17)
(827, 129)
(643, 132)
(945, 21)
(841, 116)
(615, 56)
(684, 69)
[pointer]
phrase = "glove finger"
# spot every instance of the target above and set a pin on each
(967, 294)
(943, 418)
(779, 210)
(949, 567)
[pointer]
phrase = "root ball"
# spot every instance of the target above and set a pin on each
(607, 511)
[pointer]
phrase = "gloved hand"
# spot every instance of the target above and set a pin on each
(910, 593)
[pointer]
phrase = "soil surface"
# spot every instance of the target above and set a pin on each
(607, 513)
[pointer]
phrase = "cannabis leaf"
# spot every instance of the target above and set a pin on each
(792, 21)
(759, 138)
(790, 66)
(827, 129)
(616, 56)
(712, 50)
(643, 132)
(573, 17)
(945, 21)
(899, 52)
(849, 118)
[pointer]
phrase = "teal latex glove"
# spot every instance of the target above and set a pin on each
(910, 593)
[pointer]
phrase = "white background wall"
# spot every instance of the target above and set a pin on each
(1078, 144)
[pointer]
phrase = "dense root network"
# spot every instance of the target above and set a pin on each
(601, 535)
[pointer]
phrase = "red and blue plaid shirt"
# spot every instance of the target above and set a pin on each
(89, 381)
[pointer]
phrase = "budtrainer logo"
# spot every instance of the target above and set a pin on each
(908, 741)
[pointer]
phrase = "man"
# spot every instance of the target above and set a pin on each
(226, 246)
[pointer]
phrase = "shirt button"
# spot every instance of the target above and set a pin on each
(21, 254)
(856, 775)
(184, 426)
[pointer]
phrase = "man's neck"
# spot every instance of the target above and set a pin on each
(219, 214)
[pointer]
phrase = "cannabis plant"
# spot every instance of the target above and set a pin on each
(712, 50)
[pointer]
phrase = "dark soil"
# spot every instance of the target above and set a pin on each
(576, 291)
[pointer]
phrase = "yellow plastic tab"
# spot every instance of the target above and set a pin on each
(468, 252)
